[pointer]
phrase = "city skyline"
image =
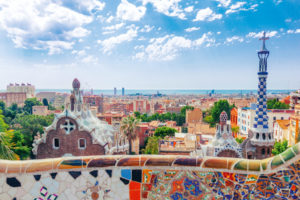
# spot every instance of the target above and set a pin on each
(148, 45)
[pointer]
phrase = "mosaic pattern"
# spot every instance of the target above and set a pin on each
(152, 177)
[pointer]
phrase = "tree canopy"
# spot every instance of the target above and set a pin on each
(280, 147)
(29, 103)
(213, 115)
(276, 104)
(164, 131)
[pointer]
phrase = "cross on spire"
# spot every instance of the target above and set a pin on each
(264, 38)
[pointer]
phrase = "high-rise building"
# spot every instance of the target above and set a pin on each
(115, 91)
(260, 139)
(123, 91)
(22, 88)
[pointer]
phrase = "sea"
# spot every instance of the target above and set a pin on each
(168, 92)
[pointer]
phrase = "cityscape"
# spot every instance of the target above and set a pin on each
(175, 119)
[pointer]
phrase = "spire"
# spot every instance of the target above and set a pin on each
(264, 38)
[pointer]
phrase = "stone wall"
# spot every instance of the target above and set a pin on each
(152, 177)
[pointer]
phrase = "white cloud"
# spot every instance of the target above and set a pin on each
(260, 34)
(288, 20)
(224, 3)
(189, 9)
(234, 38)
(89, 5)
(114, 27)
(192, 29)
(89, 59)
(168, 47)
(207, 15)
(43, 24)
(168, 7)
(130, 12)
(239, 6)
(235, 7)
(109, 19)
(147, 29)
(293, 31)
(109, 43)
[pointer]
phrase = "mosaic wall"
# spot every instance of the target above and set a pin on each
(152, 177)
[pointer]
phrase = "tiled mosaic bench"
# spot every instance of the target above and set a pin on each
(152, 177)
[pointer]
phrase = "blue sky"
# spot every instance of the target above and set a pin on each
(148, 44)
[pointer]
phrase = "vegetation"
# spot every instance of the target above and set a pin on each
(239, 140)
(164, 131)
(280, 147)
(46, 103)
(128, 127)
(179, 118)
(276, 104)
(29, 103)
(235, 129)
(151, 146)
(30, 125)
(212, 116)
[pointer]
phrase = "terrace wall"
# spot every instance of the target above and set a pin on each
(152, 177)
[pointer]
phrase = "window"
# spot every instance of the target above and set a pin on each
(274, 118)
(55, 143)
(263, 151)
(281, 118)
(270, 136)
(264, 136)
(257, 135)
(268, 151)
(81, 143)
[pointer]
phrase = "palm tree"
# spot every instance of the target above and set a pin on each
(5, 152)
(128, 127)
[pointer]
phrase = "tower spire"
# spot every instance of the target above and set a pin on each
(264, 38)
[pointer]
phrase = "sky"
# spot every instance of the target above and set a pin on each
(148, 44)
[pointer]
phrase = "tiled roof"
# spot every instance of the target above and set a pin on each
(284, 124)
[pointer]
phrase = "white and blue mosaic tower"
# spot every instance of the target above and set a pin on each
(262, 138)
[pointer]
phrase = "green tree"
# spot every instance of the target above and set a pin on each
(128, 127)
(239, 140)
(184, 108)
(164, 131)
(276, 104)
(3, 125)
(152, 146)
(235, 129)
(29, 125)
(280, 147)
(29, 103)
(16, 143)
(209, 119)
(5, 152)
(45, 102)
(220, 106)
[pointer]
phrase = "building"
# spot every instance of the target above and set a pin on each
(94, 100)
(10, 98)
(54, 98)
(123, 91)
(76, 132)
(234, 120)
(40, 110)
(180, 144)
(294, 99)
(223, 144)
(141, 105)
(22, 88)
(260, 139)
(281, 131)
(295, 126)
(193, 116)
(115, 91)
(246, 118)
